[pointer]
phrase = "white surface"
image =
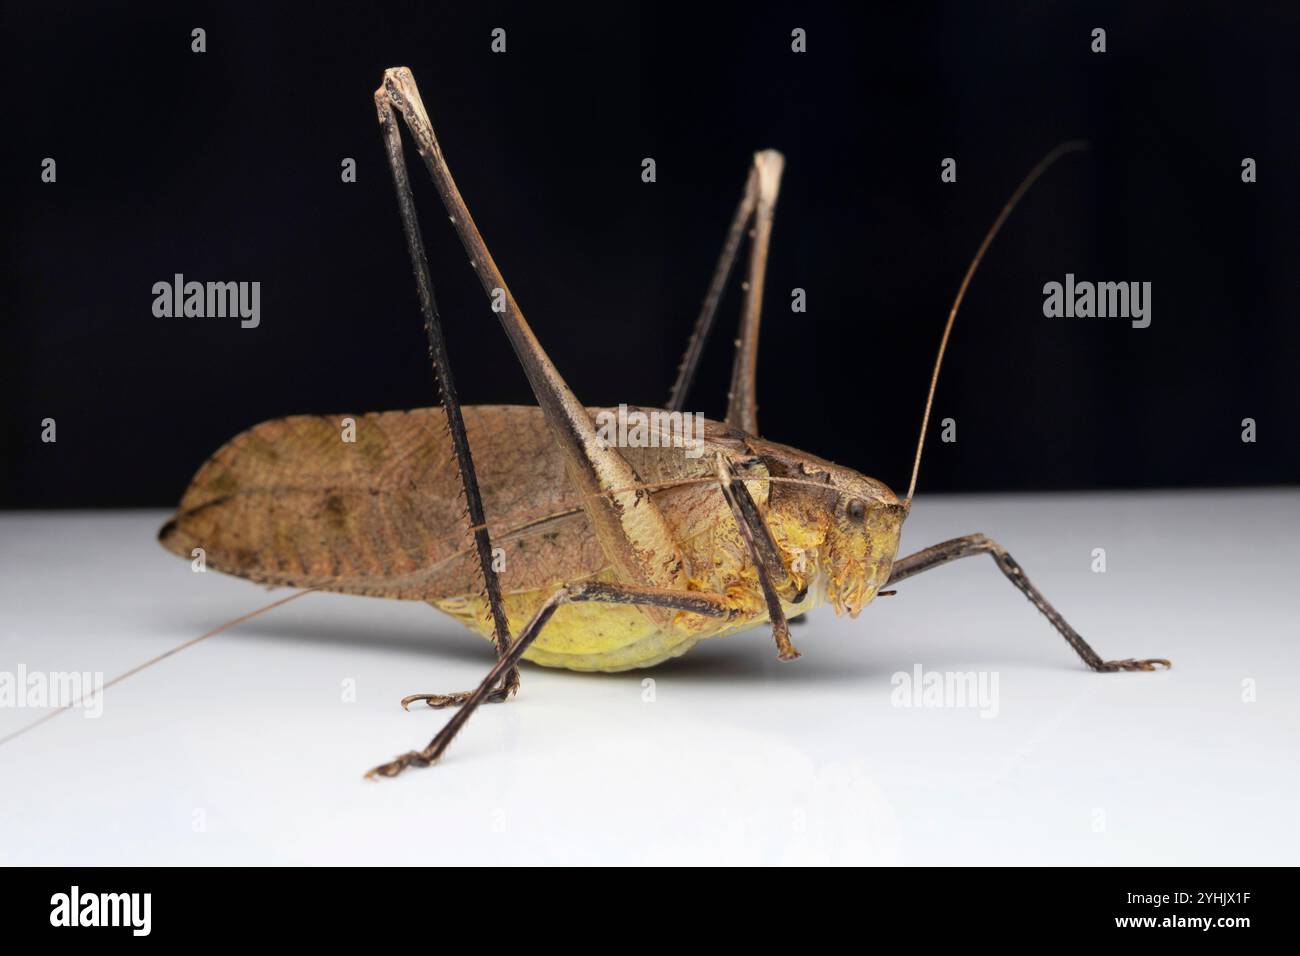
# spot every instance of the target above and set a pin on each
(740, 758)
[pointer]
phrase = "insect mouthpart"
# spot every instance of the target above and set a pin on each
(862, 549)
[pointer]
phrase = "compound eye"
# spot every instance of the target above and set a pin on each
(857, 509)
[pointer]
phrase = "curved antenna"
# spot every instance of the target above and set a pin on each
(149, 663)
(1073, 146)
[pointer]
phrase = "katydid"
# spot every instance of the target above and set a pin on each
(530, 528)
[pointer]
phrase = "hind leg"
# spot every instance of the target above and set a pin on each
(476, 521)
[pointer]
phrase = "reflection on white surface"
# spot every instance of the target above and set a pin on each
(251, 746)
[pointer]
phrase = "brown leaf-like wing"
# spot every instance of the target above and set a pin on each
(289, 502)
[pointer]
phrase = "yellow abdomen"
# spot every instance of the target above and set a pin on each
(611, 637)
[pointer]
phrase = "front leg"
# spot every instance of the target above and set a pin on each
(973, 544)
(762, 549)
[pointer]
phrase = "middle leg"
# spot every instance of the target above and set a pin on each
(695, 602)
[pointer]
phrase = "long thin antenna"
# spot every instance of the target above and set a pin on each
(154, 660)
(1074, 145)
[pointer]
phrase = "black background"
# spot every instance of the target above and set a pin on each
(226, 166)
(227, 905)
